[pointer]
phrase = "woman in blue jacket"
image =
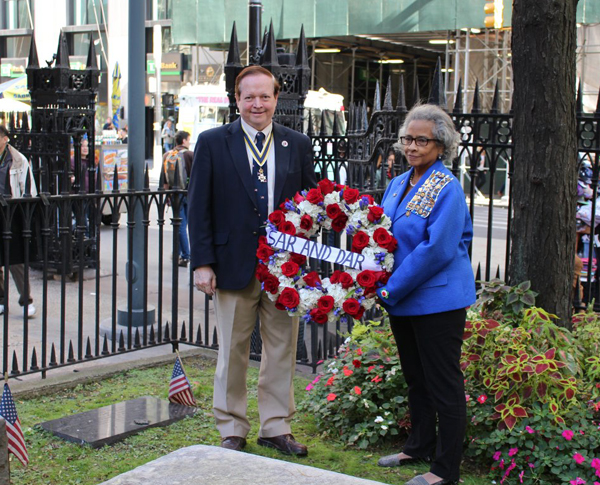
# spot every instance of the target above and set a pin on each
(427, 295)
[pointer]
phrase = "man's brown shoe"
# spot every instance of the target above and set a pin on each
(235, 443)
(284, 443)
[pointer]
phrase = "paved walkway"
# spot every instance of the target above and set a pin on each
(217, 466)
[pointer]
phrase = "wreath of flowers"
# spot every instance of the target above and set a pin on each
(284, 275)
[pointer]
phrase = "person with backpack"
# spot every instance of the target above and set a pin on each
(181, 156)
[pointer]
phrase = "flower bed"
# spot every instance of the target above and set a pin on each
(532, 391)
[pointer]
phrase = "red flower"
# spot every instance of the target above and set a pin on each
(299, 259)
(352, 307)
(375, 213)
(347, 372)
(289, 298)
(359, 351)
(277, 217)
(339, 223)
(360, 241)
(314, 196)
(306, 222)
(351, 195)
(376, 379)
(325, 303)
(367, 278)
(312, 279)
(261, 272)
(326, 186)
(382, 237)
(330, 381)
(318, 316)
(335, 276)
(262, 240)
(481, 399)
(271, 284)
(346, 280)
(370, 368)
(331, 397)
(333, 211)
(357, 390)
(370, 198)
(287, 227)
(298, 198)
(356, 363)
(290, 269)
(384, 276)
(264, 252)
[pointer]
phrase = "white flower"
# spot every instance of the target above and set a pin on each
(366, 403)
(348, 340)
(384, 427)
(387, 413)
(334, 371)
(379, 419)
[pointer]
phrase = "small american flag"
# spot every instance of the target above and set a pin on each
(16, 440)
(180, 391)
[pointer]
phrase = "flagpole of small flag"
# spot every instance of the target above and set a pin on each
(180, 390)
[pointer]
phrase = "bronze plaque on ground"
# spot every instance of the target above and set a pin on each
(109, 424)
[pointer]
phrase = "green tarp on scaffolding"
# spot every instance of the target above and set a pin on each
(208, 22)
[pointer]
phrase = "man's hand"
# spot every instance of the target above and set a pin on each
(205, 279)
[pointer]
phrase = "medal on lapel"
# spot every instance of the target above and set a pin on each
(260, 157)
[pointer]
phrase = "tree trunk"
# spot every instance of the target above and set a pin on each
(545, 151)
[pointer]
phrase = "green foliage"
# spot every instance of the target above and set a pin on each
(586, 328)
(360, 396)
(496, 298)
(520, 366)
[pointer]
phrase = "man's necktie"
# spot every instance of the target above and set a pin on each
(259, 176)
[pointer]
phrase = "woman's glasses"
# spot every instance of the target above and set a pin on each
(420, 141)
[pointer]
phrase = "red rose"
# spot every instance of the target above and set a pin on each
(290, 269)
(312, 279)
(370, 198)
(382, 237)
(325, 303)
(333, 211)
(314, 196)
(335, 276)
(277, 217)
(261, 272)
(262, 240)
(383, 276)
(326, 186)
(287, 227)
(306, 222)
(271, 284)
(370, 290)
(318, 316)
(367, 278)
(289, 298)
(351, 307)
(298, 198)
(264, 252)
(356, 363)
(375, 213)
(299, 259)
(392, 245)
(351, 195)
(339, 223)
(346, 280)
(360, 241)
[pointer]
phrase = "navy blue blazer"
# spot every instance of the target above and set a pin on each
(223, 219)
(432, 270)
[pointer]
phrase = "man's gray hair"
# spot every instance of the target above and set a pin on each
(443, 128)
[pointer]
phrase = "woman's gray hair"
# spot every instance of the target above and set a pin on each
(443, 128)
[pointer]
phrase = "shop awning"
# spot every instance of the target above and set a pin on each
(16, 89)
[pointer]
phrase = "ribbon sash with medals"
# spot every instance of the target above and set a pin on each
(260, 157)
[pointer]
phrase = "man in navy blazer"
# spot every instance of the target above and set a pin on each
(241, 173)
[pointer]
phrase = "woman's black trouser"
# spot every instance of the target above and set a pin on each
(429, 347)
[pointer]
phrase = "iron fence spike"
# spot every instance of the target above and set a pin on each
(121, 347)
(34, 363)
(152, 339)
(167, 336)
(437, 95)
(71, 355)
(233, 55)
(323, 130)
(302, 51)
(336, 129)
(268, 57)
(496, 100)
(33, 60)
(15, 364)
(387, 100)
(377, 98)
(476, 104)
(183, 336)
(92, 62)
(88, 349)
(199, 335)
(105, 350)
(136, 341)
(458, 104)
(579, 98)
(52, 356)
(401, 102)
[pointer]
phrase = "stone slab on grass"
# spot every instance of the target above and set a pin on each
(213, 465)
(109, 424)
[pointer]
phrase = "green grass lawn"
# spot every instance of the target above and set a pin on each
(55, 461)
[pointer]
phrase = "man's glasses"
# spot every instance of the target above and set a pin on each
(420, 141)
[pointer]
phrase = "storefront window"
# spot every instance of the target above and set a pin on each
(17, 46)
(84, 12)
(15, 14)
(159, 9)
